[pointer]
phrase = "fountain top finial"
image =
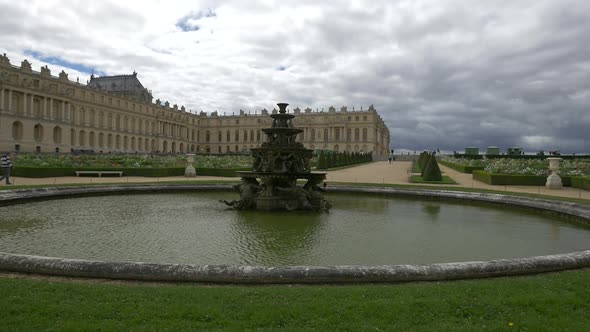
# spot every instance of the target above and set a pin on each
(282, 107)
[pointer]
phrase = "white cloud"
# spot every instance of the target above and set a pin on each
(443, 74)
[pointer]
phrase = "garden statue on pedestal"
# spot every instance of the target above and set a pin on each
(190, 171)
(553, 180)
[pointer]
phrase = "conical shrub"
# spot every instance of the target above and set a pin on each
(322, 161)
(432, 171)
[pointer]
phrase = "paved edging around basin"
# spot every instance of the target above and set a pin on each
(290, 274)
(294, 274)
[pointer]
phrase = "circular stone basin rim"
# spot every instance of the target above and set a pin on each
(296, 274)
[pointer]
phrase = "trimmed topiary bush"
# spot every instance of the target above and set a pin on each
(431, 171)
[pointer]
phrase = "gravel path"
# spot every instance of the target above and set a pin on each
(380, 172)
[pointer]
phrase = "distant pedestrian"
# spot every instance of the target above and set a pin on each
(6, 166)
(390, 160)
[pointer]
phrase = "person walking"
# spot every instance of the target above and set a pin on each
(6, 164)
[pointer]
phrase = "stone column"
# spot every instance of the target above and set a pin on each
(25, 103)
(1, 99)
(63, 111)
(50, 111)
(44, 105)
(10, 100)
(31, 105)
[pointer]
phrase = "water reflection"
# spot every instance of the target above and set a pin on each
(277, 237)
(376, 204)
(18, 225)
(432, 210)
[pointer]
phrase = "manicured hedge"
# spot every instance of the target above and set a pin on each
(582, 183)
(515, 180)
(461, 168)
(44, 172)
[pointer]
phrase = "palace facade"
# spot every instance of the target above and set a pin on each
(43, 113)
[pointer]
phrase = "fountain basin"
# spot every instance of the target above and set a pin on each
(300, 271)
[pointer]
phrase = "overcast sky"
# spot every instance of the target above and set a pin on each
(443, 74)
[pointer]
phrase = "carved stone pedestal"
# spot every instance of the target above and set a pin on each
(553, 180)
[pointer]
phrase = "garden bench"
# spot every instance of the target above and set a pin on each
(100, 173)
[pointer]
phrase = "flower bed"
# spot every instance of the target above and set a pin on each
(129, 161)
(538, 167)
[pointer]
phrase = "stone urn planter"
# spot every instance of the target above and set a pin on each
(190, 171)
(553, 180)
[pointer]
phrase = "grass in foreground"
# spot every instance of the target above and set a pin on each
(419, 179)
(535, 303)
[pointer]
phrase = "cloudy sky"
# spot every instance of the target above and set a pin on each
(443, 74)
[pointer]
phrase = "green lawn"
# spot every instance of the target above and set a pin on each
(549, 302)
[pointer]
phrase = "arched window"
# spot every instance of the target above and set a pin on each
(125, 142)
(110, 141)
(173, 147)
(348, 134)
(17, 130)
(207, 136)
(325, 134)
(237, 136)
(219, 136)
(364, 134)
(82, 138)
(312, 135)
(57, 135)
(228, 136)
(100, 140)
(72, 137)
(357, 135)
(118, 142)
(38, 133)
(91, 139)
(132, 143)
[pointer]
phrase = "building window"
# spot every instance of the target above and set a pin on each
(38, 132)
(325, 134)
(364, 118)
(207, 136)
(364, 134)
(357, 134)
(219, 138)
(237, 136)
(17, 130)
(245, 135)
(337, 134)
(312, 138)
(228, 136)
(348, 134)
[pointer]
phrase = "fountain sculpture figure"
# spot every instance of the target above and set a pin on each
(278, 164)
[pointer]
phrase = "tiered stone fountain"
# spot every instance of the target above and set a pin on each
(278, 164)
